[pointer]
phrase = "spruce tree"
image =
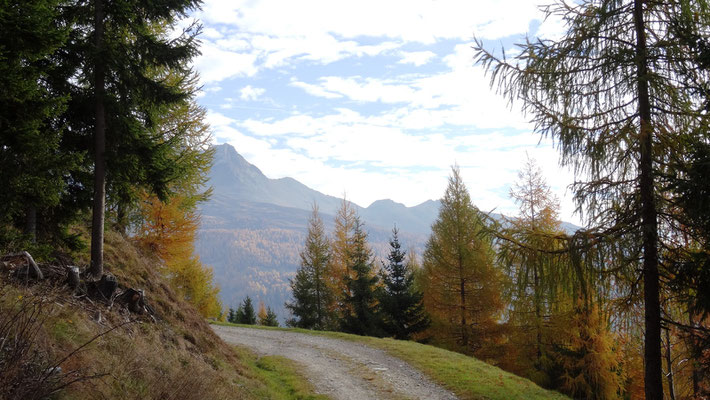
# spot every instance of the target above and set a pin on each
(232, 316)
(239, 314)
(401, 304)
(122, 51)
(303, 305)
(363, 317)
(312, 295)
(246, 314)
(271, 318)
(32, 170)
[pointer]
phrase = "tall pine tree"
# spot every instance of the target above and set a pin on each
(401, 304)
(341, 249)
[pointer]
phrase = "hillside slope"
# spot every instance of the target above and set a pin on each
(177, 356)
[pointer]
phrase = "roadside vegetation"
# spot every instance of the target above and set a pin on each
(467, 377)
(275, 378)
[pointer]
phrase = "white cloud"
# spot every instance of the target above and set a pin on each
(362, 126)
(273, 33)
(211, 33)
(552, 28)
(417, 58)
(460, 96)
(422, 21)
(250, 93)
(215, 64)
(212, 89)
(315, 90)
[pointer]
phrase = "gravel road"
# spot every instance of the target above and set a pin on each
(337, 368)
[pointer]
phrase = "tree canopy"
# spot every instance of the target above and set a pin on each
(617, 92)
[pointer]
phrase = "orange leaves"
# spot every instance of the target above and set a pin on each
(589, 355)
(168, 230)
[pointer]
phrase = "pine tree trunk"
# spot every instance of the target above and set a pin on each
(462, 293)
(99, 205)
(319, 313)
(121, 219)
(31, 222)
(669, 363)
(694, 362)
(649, 225)
(538, 313)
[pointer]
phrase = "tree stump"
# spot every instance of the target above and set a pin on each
(72, 277)
(133, 299)
(107, 286)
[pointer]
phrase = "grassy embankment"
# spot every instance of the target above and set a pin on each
(467, 377)
(177, 357)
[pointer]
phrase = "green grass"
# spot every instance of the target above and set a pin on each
(466, 376)
(275, 378)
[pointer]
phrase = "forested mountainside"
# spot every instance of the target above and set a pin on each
(253, 228)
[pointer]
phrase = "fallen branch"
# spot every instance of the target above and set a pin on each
(33, 270)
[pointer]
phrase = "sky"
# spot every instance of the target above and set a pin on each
(375, 99)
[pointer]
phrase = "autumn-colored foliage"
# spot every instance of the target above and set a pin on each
(342, 245)
(168, 230)
(460, 283)
(588, 355)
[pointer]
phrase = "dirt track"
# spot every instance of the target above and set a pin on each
(337, 368)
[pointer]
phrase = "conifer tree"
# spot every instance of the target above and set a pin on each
(32, 169)
(534, 276)
(239, 314)
(618, 92)
(341, 250)
(245, 312)
(269, 319)
(261, 315)
(312, 294)
(122, 52)
(401, 304)
(588, 365)
(303, 305)
(362, 317)
(232, 316)
(460, 283)
(169, 231)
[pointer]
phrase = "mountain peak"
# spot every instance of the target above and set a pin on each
(385, 202)
(227, 154)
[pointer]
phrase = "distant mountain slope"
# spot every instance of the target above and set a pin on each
(253, 228)
(235, 178)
